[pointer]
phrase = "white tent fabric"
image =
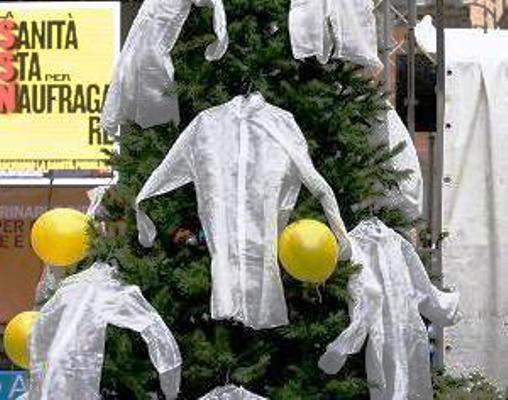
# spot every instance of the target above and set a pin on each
(475, 195)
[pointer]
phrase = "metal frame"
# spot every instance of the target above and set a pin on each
(411, 51)
(386, 49)
(436, 193)
(408, 18)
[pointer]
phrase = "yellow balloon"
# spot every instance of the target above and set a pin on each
(17, 338)
(308, 251)
(59, 237)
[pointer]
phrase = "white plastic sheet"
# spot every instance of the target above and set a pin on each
(475, 195)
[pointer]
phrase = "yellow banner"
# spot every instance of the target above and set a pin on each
(56, 60)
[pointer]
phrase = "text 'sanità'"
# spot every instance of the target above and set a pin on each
(27, 84)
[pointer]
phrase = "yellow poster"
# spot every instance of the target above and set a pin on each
(56, 60)
(20, 268)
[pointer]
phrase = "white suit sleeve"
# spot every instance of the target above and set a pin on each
(50, 281)
(217, 49)
(133, 311)
(407, 196)
(145, 70)
(439, 307)
(172, 173)
(320, 189)
(365, 306)
(95, 196)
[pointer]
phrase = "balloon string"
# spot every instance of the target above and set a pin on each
(50, 191)
(320, 296)
(49, 206)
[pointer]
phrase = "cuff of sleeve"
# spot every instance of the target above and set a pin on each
(332, 361)
(109, 125)
(345, 249)
(455, 314)
(170, 383)
(146, 228)
(216, 50)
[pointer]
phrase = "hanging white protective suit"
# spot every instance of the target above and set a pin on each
(407, 196)
(387, 297)
(475, 195)
(344, 29)
(247, 160)
(145, 71)
(67, 342)
(231, 392)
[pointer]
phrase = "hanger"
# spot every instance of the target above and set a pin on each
(372, 213)
(247, 87)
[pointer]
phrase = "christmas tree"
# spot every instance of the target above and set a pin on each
(336, 106)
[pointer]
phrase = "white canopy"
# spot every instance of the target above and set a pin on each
(475, 194)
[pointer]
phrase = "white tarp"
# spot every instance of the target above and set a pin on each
(475, 195)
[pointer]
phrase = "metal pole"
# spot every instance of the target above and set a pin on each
(494, 5)
(485, 13)
(387, 30)
(437, 167)
(411, 54)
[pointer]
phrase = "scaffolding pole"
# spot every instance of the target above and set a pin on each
(407, 18)
(435, 211)
(411, 61)
(387, 32)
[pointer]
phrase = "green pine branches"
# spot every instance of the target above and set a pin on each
(336, 108)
